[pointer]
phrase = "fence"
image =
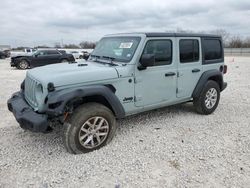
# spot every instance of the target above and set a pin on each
(237, 51)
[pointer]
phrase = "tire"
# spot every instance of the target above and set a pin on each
(23, 64)
(208, 99)
(80, 57)
(79, 138)
(64, 61)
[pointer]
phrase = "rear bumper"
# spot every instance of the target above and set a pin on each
(224, 86)
(25, 115)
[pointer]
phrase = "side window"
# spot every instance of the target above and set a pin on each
(212, 49)
(52, 52)
(162, 49)
(41, 53)
(189, 50)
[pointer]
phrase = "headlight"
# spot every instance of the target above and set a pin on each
(39, 92)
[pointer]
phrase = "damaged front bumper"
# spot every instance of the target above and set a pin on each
(25, 115)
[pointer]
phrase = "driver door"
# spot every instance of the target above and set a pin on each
(157, 84)
(39, 59)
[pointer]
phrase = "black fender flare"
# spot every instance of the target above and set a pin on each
(63, 97)
(205, 77)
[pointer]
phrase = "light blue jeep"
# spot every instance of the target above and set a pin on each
(126, 74)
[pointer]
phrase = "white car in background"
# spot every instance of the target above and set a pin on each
(76, 54)
(25, 51)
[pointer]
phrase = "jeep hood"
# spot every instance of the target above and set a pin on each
(66, 74)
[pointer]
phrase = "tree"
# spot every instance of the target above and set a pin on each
(57, 45)
(71, 46)
(87, 44)
(235, 42)
(223, 33)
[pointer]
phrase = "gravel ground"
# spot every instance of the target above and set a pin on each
(170, 147)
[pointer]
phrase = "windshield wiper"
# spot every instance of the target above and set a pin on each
(97, 59)
(111, 60)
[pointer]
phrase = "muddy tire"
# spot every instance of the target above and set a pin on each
(90, 127)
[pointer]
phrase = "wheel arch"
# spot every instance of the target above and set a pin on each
(214, 75)
(58, 101)
(24, 58)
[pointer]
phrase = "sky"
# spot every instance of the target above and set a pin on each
(46, 22)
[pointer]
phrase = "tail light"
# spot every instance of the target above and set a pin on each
(224, 69)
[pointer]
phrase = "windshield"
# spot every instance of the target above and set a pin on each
(118, 48)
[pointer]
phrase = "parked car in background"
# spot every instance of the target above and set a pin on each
(40, 58)
(76, 54)
(4, 54)
(25, 51)
(85, 55)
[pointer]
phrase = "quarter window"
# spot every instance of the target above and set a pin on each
(161, 49)
(212, 49)
(189, 50)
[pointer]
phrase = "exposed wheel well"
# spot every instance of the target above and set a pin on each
(95, 98)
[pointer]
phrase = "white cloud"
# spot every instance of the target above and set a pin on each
(25, 22)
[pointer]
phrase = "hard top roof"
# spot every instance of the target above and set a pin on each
(165, 34)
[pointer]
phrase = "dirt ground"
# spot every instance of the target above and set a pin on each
(169, 147)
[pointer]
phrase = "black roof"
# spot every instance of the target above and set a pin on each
(180, 35)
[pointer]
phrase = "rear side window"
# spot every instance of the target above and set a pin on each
(52, 52)
(189, 50)
(212, 49)
(162, 49)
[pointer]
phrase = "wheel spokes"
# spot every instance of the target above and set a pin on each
(93, 132)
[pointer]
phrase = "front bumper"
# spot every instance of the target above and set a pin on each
(12, 63)
(25, 115)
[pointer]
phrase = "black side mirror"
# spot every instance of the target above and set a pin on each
(146, 60)
(36, 55)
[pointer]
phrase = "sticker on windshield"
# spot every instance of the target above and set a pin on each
(126, 45)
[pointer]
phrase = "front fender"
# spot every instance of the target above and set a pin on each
(63, 97)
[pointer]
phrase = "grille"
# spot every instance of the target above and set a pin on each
(30, 89)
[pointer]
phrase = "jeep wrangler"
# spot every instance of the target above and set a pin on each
(126, 74)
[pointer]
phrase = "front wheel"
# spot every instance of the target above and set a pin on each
(90, 127)
(208, 99)
(23, 64)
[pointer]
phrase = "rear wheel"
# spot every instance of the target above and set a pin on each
(64, 61)
(23, 64)
(208, 99)
(90, 127)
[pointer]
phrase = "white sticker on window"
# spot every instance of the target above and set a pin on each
(126, 45)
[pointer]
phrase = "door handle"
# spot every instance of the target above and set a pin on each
(196, 70)
(170, 74)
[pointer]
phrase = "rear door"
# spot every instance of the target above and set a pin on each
(189, 65)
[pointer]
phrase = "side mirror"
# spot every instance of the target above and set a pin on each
(36, 55)
(146, 60)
